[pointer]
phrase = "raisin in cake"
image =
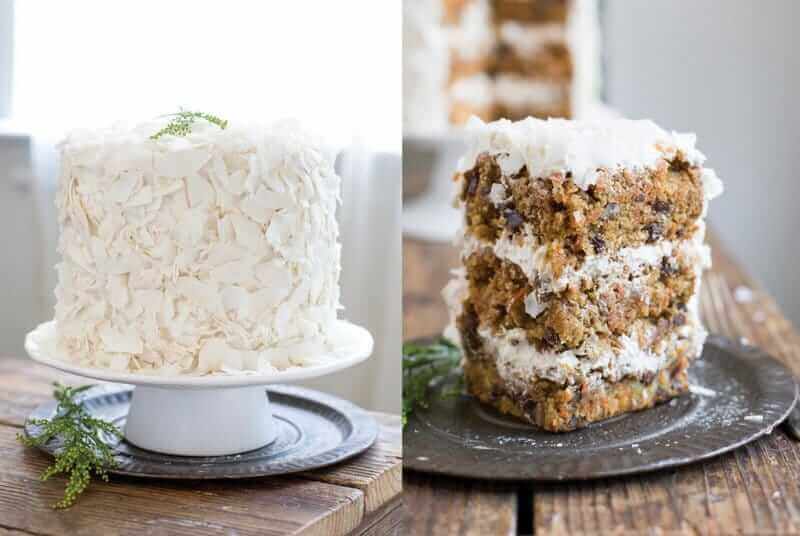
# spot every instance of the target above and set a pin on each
(582, 258)
(217, 251)
(497, 59)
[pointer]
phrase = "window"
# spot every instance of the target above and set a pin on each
(85, 63)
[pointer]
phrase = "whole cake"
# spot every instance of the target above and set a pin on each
(213, 250)
(497, 59)
(582, 259)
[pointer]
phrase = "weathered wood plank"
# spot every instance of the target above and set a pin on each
(24, 385)
(386, 521)
(134, 506)
(378, 473)
(439, 505)
(426, 270)
(375, 477)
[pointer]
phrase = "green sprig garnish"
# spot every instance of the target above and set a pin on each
(423, 364)
(181, 123)
(83, 449)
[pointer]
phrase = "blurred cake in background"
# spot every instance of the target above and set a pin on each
(497, 59)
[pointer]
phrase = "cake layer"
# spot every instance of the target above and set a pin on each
(531, 11)
(621, 208)
(214, 251)
(553, 63)
(453, 10)
(532, 258)
(519, 93)
(561, 408)
(471, 97)
(640, 352)
(593, 305)
(541, 111)
(536, 51)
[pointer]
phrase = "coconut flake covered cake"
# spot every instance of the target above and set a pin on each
(582, 258)
(217, 251)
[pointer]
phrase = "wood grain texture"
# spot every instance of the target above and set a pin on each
(337, 500)
(753, 490)
(386, 521)
(128, 506)
(440, 505)
(378, 472)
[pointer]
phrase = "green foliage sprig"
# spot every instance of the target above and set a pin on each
(84, 451)
(422, 364)
(181, 123)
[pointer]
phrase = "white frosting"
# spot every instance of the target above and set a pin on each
(527, 40)
(497, 194)
(454, 294)
(531, 258)
(218, 251)
(581, 147)
(472, 37)
(475, 90)
(519, 92)
(518, 361)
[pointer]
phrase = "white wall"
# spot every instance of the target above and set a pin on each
(728, 70)
(6, 54)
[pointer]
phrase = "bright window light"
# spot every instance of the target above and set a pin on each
(333, 65)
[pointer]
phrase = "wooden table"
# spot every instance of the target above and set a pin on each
(361, 496)
(753, 490)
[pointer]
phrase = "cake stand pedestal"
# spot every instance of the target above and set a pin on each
(210, 415)
(199, 422)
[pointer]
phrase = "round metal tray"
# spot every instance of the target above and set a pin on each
(314, 430)
(458, 436)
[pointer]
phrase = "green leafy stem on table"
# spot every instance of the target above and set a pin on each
(83, 449)
(422, 365)
(182, 121)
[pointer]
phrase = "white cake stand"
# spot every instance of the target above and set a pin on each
(205, 415)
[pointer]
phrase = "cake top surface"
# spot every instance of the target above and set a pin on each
(133, 146)
(552, 146)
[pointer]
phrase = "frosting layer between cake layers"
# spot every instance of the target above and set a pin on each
(217, 251)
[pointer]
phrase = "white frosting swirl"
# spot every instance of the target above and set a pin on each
(214, 252)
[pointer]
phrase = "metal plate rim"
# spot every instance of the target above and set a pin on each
(725, 344)
(363, 434)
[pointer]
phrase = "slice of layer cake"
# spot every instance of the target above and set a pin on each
(582, 258)
(216, 251)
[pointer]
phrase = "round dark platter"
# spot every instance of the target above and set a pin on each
(745, 394)
(315, 430)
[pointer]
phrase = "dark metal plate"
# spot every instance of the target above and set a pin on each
(315, 430)
(460, 437)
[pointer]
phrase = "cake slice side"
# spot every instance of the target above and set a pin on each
(569, 307)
